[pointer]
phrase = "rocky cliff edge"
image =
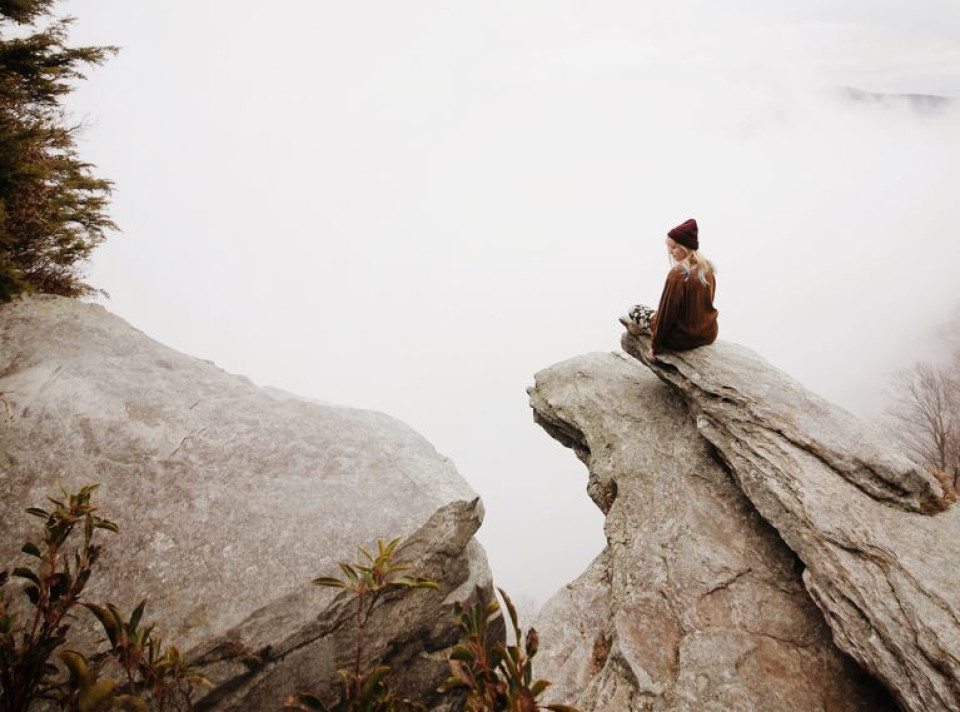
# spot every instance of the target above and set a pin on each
(757, 535)
(230, 498)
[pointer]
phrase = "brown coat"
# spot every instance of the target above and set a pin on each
(685, 318)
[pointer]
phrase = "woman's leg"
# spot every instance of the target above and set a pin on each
(637, 320)
(641, 316)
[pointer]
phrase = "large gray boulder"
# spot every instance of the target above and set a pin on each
(853, 508)
(696, 603)
(230, 498)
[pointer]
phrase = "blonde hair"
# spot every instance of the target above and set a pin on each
(694, 262)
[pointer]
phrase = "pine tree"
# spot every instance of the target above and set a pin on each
(53, 209)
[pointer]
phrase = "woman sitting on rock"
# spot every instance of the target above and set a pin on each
(685, 318)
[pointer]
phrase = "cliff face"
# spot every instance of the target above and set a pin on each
(878, 560)
(696, 603)
(230, 499)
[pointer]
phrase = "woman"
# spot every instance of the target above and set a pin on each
(685, 317)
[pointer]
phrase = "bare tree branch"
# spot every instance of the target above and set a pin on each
(925, 415)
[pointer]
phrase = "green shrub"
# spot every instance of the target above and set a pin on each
(367, 580)
(497, 677)
(53, 588)
(153, 673)
(494, 677)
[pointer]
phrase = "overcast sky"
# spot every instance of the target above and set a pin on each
(414, 206)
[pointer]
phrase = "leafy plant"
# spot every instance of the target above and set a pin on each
(152, 671)
(498, 677)
(84, 691)
(368, 580)
(53, 588)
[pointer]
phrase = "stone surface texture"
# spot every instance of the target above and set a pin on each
(230, 498)
(848, 504)
(696, 603)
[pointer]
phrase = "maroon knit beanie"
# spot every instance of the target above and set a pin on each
(686, 234)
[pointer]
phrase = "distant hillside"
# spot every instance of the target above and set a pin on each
(927, 103)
